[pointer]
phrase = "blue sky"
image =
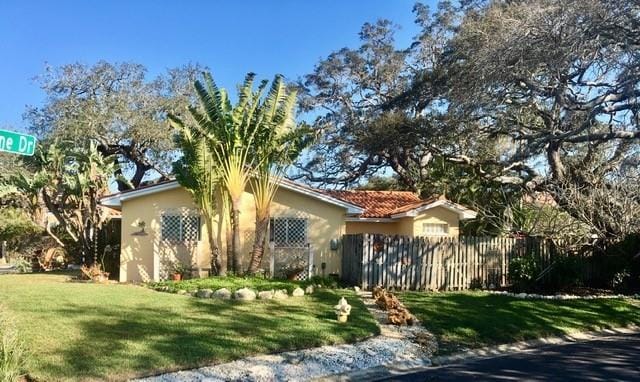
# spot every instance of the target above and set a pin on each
(232, 37)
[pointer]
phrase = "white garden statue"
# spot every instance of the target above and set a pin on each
(342, 310)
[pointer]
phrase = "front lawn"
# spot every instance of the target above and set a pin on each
(81, 331)
(470, 320)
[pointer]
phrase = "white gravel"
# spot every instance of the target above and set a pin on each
(394, 346)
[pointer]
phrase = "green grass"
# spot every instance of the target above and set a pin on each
(470, 320)
(79, 331)
(232, 283)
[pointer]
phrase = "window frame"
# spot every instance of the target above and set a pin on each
(426, 233)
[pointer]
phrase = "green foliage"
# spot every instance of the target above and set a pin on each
(324, 282)
(22, 265)
(17, 228)
(13, 353)
(567, 272)
(70, 181)
(232, 283)
(523, 271)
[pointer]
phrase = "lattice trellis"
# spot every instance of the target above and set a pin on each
(177, 239)
(289, 234)
(180, 227)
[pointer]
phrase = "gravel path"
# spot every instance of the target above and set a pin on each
(394, 346)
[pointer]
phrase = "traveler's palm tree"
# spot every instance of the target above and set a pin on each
(229, 133)
(277, 143)
(254, 139)
(197, 172)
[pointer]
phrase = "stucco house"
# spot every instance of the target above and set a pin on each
(161, 224)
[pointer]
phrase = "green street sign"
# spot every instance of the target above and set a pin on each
(17, 143)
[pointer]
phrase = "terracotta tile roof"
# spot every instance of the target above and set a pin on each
(380, 204)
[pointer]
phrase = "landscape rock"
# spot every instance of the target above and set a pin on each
(308, 289)
(280, 294)
(245, 294)
(298, 292)
(182, 292)
(223, 293)
(356, 289)
(266, 295)
(204, 293)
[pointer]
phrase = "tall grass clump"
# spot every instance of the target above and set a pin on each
(13, 353)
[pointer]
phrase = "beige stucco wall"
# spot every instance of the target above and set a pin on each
(383, 228)
(142, 255)
(438, 215)
(409, 226)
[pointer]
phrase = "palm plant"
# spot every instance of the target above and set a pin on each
(197, 172)
(229, 133)
(70, 181)
(277, 143)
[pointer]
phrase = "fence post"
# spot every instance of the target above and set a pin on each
(272, 258)
(310, 267)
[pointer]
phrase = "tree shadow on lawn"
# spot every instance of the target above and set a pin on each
(466, 320)
(121, 342)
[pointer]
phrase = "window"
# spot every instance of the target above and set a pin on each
(180, 227)
(288, 232)
(435, 229)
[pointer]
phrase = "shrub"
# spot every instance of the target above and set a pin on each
(522, 272)
(22, 265)
(13, 354)
(567, 272)
(17, 229)
(325, 282)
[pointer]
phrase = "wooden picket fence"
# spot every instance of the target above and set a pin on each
(408, 263)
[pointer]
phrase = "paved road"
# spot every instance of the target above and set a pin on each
(615, 358)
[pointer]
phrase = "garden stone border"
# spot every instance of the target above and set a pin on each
(535, 296)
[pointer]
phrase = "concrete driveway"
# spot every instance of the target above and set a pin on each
(615, 358)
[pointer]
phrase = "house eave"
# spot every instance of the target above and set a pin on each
(369, 220)
(463, 213)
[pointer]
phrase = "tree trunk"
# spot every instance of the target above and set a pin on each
(555, 163)
(218, 267)
(262, 226)
(235, 237)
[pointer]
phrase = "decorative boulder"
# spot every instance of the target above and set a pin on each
(356, 289)
(204, 293)
(298, 292)
(280, 294)
(245, 294)
(309, 289)
(223, 293)
(182, 292)
(266, 295)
